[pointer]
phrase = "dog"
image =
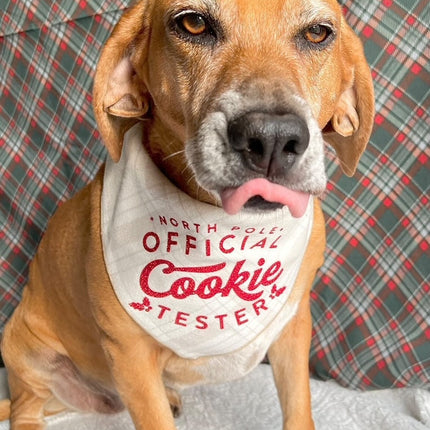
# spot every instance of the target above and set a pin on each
(215, 113)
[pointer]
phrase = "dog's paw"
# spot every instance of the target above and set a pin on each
(175, 402)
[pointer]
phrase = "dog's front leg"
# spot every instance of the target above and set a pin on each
(289, 357)
(137, 371)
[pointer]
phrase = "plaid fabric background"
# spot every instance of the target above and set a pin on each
(371, 306)
(371, 302)
(49, 146)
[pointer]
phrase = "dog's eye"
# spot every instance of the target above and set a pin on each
(317, 33)
(196, 27)
(193, 23)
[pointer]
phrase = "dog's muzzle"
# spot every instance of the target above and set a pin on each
(259, 155)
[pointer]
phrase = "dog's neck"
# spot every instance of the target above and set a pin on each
(168, 153)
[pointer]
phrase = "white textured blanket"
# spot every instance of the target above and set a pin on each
(251, 404)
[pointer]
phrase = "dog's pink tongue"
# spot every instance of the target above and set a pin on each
(233, 199)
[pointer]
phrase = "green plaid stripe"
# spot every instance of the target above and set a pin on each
(372, 300)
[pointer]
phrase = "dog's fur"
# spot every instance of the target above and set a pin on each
(70, 340)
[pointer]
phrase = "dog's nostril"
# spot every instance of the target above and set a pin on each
(291, 147)
(255, 146)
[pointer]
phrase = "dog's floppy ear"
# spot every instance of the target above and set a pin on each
(120, 96)
(352, 121)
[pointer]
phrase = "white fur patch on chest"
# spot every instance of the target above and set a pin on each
(201, 282)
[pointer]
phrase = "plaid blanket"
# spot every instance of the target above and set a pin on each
(371, 301)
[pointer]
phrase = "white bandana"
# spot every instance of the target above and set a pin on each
(200, 281)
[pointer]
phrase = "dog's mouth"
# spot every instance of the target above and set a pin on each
(262, 194)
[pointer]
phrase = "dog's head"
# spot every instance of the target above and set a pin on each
(238, 95)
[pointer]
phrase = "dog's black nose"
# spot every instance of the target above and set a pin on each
(269, 143)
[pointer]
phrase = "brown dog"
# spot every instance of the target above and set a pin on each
(233, 95)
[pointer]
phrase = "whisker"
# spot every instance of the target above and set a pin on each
(174, 154)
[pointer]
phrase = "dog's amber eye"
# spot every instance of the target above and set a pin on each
(194, 24)
(317, 33)
(195, 27)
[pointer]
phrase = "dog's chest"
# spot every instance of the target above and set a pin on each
(201, 282)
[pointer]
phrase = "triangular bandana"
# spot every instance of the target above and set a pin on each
(199, 281)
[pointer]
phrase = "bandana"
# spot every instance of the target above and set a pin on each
(200, 281)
